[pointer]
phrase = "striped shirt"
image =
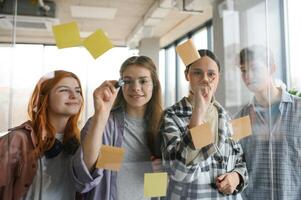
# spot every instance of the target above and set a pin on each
(273, 152)
(196, 179)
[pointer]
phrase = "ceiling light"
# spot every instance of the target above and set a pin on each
(93, 12)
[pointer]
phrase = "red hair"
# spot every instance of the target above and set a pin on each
(38, 110)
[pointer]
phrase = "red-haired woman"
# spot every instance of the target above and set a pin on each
(34, 157)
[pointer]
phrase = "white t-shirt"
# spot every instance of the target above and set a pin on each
(130, 178)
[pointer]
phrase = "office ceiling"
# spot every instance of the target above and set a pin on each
(127, 18)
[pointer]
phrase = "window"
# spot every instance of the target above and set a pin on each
(294, 33)
(200, 39)
(170, 74)
(161, 72)
(22, 66)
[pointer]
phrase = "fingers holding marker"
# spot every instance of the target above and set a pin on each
(119, 83)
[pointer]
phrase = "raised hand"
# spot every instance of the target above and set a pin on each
(202, 96)
(104, 97)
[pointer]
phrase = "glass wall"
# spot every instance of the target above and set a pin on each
(256, 43)
(252, 45)
(23, 65)
(292, 12)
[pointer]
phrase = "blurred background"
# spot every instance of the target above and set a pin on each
(141, 27)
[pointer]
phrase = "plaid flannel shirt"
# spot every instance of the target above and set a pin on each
(273, 154)
(196, 179)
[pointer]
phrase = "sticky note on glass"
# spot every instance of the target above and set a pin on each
(97, 43)
(66, 35)
(110, 158)
(202, 135)
(187, 52)
(241, 127)
(155, 184)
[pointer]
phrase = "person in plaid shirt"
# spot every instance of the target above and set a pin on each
(216, 171)
(273, 151)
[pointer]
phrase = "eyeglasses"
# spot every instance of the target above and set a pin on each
(142, 82)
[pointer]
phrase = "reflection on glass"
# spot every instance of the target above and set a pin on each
(273, 160)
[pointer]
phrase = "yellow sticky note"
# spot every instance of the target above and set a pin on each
(66, 35)
(97, 43)
(155, 184)
(187, 52)
(201, 135)
(241, 127)
(110, 158)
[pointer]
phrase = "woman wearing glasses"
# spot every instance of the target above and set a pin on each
(126, 118)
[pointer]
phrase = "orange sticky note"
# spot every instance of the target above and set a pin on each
(97, 43)
(66, 35)
(188, 52)
(155, 184)
(241, 127)
(110, 158)
(201, 135)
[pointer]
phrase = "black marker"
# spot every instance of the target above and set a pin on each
(119, 83)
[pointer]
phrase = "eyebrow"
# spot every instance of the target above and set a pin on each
(141, 77)
(65, 86)
(198, 69)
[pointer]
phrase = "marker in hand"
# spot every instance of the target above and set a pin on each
(119, 83)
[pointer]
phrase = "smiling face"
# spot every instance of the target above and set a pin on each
(138, 87)
(65, 98)
(203, 72)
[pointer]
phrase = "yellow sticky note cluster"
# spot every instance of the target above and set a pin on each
(67, 35)
(155, 184)
(110, 158)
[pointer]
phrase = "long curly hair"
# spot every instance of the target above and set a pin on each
(38, 112)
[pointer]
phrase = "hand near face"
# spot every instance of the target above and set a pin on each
(104, 97)
(203, 76)
(203, 94)
(228, 182)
